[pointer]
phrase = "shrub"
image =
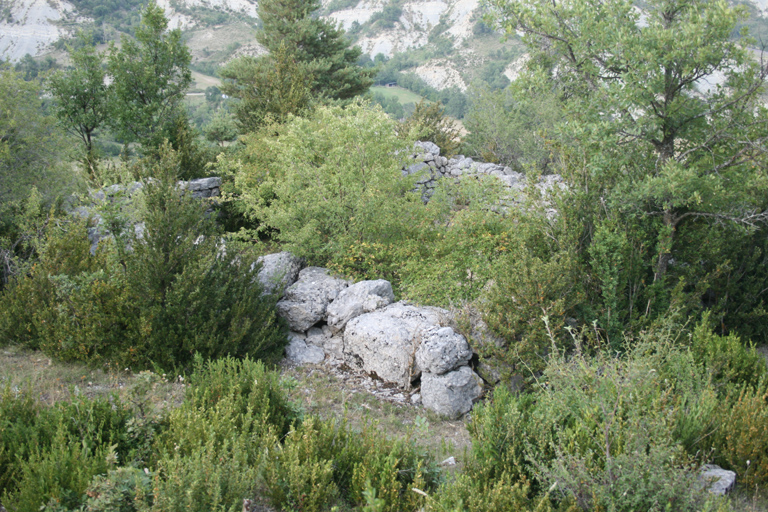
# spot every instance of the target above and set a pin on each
(321, 461)
(234, 405)
(212, 477)
(149, 300)
(528, 287)
(30, 433)
(741, 442)
(613, 433)
(726, 358)
(429, 123)
(329, 181)
(467, 493)
(510, 126)
(56, 476)
(124, 489)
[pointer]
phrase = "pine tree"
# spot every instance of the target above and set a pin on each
(316, 43)
(273, 86)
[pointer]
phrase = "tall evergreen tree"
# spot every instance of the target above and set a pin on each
(317, 43)
(272, 85)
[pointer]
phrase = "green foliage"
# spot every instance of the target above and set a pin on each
(58, 477)
(726, 358)
(467, 493)
(213, 477)
(269, 88)
(740, 444)
(535, 290)
(228, 396)
(328, 181)
(123, 489)
(454, 100)
(149, 78)
(322, 461)
(510, 126)
(22, 228)
(81, 97)
(315, 43)
(122, 14)
(32, 148)
(49, 454)
(157, 299)
(429, 123)
(614, 433)
(652, 150)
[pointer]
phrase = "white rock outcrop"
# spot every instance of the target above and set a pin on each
(362, 297)
(335, 322)
(442, 351)
(278, 271)
(306, 300)
(385, 342)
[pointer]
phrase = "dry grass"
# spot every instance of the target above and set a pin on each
(332, 393)
(319, 391)
(53, 381)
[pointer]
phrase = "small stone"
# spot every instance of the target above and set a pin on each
(716, 480)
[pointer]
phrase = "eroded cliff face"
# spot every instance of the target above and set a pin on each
(412, 29)
(185, 21)
(30, 26)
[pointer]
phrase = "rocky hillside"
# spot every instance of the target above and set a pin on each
(444, 41)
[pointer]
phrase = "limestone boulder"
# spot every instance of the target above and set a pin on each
(384, 342)
(362, 297)
(716, 480)
(278, 271)
(442, 351)
(300, 352)
(305, 301)
(427, 147)
(451, 394)
(332, 344)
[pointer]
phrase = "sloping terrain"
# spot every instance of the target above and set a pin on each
(445, 41)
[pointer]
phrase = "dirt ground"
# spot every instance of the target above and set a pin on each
(325, 391)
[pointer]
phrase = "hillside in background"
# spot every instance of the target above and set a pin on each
(442, 42)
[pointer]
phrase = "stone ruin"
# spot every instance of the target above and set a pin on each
(336, 322)
(201, 188)
(430, 168)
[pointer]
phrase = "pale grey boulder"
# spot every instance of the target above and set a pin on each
(362, 297)
(442, 351)
(300, 352)
(716, 480)
(384, 342)
(426, 147)
(451, 394)
(323, 337)
(306, 300)
(278, 271)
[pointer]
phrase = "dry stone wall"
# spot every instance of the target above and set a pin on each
(430, 168)
(336, 322)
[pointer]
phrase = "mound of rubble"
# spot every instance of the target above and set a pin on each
(336, 322)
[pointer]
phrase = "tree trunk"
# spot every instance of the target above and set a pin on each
(665, 251)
